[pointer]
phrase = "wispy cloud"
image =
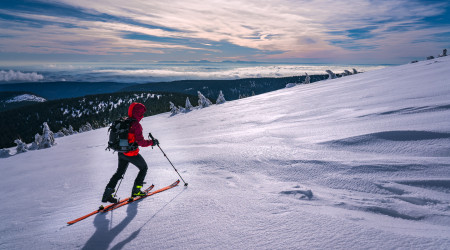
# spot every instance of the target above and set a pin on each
(269, 29)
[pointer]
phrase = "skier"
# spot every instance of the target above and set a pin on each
(135, 111)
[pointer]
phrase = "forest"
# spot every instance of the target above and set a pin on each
(99, 110)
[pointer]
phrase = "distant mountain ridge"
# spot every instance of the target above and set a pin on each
(61, 90)
(232, 89)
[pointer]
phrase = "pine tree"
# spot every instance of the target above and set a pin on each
(71, 131)
(48, 140)
(347, 73)
(173, 109)
(331, 75)
(307, 79)
(85, 128)
(188, 106)
(203, 102)
(65, 131)
(221, 98)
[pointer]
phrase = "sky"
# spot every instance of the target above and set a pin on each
(295, 31)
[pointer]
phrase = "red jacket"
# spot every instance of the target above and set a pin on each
(136, 111)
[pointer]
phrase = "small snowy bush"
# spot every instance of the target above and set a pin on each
(21, 146)
(4, 153)
(347, 73)
(85, 128)
(59, 134)
(36, 143)
(65, 131)
(290, 85)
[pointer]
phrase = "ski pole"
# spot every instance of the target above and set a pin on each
(115, 194)
(151, 136)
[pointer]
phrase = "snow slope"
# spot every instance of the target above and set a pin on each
(26, 98)
(352, 163)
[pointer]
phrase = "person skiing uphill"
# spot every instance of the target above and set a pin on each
(136, 112)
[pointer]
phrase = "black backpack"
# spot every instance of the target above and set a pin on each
(118, 135)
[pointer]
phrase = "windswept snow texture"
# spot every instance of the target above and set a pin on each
(26, 98)
(357, 162)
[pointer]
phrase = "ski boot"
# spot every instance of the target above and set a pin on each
(108, 195)
(137, 191)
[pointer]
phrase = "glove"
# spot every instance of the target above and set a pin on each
(155, 142)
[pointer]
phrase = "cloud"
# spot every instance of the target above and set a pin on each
(8, 76)
(184, 73)
(291, 29)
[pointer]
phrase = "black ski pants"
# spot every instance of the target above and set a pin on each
(124, 161)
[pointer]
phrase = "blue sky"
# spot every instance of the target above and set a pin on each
(301, 31)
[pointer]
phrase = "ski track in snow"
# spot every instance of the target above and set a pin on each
(353, 163)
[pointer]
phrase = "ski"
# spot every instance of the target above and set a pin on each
(141, 197)
(101, 208)
(115, 205)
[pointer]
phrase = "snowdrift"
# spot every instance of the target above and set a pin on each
(351, 163)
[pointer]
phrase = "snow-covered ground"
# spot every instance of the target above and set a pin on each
(353, 163)
(26, 98)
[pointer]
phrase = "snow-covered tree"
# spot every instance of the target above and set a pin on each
(48, 139)
(71, 131)
(331, 75)
(203, 102)
(36, 143)
(173, 109)
(85, 128)
(21, 146)
(4, 153)
(188, 107)
(307, 79)
(221, 98)
(59, 134)
(65, 131)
